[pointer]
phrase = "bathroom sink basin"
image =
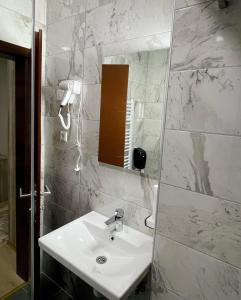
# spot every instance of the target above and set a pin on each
(112, 267)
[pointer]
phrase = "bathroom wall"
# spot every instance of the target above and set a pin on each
(16, 20)
(197, 245)
(78, 38)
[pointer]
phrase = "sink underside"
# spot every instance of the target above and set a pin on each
(84, 246)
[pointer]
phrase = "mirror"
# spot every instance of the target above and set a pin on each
(133, 93)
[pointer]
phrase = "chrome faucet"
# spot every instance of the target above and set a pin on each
(115, 223)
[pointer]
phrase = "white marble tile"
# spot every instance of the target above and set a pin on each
(49, 98)
(56, 216)
(60, 9)
(122, 20)
(153, 111)
(205, 163)
(151, 143)
(204, 223)
(152, 127)
(137, 91)
(92, 65)
(17, 28)
(193, 275)
(69, 39)
(167, 295)
(205, 36)
(144, 43)
(134, 215)
(205, 100)
(52, 132)
(65, 194)
(91, 4)
(40, 11)
(90, 137)
(185, 3)
(117, 182)
(60, 161)
(25, 8)
(63, 66)
(91, 102)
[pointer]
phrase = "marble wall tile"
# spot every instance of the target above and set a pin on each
(40, 11)
(193, 275)
(168, 295)
(71, 38)
(91, 102)
(62, 191)
(122, 20)
(93, 63)
(205, 100)
(17, 28)
(203, 28)
(91, 4)
(185, 3)
(67, 65)
(117, 182)
(134, 217)
(24, 7)
(90, 137)
(205, 163)
(61, 9)
(141, 44)
(204, 223)
(152, 127)
(61, 162)
(56, 216)
(52, 131)
(49, 96)
(153, 111)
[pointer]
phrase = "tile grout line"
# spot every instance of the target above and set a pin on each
(198, 251)
(201, 194)
(203, 132)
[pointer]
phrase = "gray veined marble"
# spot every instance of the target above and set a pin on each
(206, 100)
(17, 28)
(67, 65)
(116, 182)
(205, 36)
(61, 9)
(69, 39)
(185, 3)
(193, 275)
(91, 102)
(206, 163)
(205, 223)
(122, 20)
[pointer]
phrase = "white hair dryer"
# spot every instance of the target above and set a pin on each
(68, 89)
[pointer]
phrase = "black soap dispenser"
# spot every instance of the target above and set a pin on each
(139, 158)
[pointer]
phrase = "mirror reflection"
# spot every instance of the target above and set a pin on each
(132, 98)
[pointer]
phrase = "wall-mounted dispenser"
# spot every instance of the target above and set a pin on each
(66, 93)
(139, 158)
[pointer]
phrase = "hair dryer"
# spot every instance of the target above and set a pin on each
(68, 89)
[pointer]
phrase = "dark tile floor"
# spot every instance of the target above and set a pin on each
(48, 291)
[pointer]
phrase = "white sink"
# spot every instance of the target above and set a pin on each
(77, 245)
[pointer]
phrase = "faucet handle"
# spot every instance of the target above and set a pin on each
(119, 213)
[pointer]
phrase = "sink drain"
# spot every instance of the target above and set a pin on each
(101, 260)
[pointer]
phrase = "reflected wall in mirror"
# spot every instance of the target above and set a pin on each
(134, 88)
